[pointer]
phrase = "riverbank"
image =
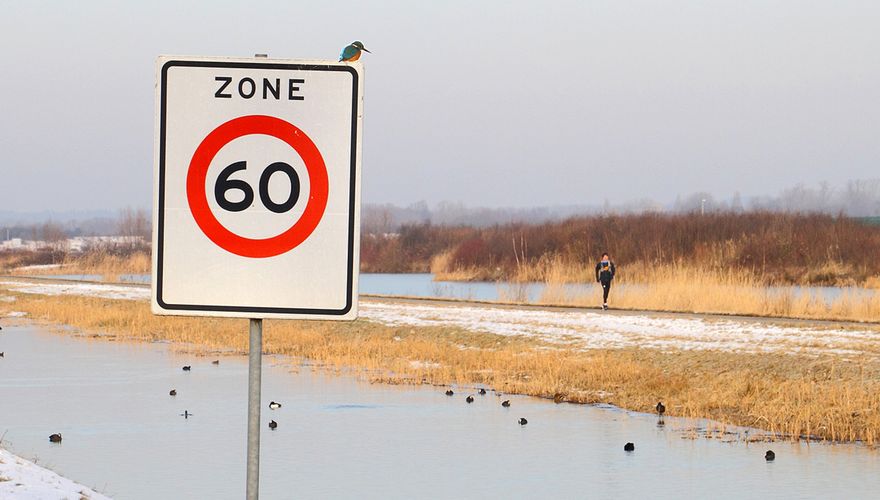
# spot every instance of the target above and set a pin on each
(22, 479)
(821, 382)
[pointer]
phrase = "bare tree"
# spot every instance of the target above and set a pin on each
(134, 225)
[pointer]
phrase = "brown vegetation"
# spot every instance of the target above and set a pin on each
(775, 248)
(827, 397)
(106, 261)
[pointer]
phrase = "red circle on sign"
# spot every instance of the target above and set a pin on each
(198, 172)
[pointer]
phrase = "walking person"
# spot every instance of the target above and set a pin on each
(604, 274)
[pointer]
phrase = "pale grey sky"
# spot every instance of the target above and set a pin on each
(487, 103)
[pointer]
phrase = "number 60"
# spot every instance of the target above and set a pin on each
(224, 184)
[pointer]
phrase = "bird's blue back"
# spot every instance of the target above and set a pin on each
(348, 52)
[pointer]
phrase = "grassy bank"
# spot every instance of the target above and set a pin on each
(826, 397)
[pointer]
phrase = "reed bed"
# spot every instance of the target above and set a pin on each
(828, 398)
(106, 263)
(683, 288)
(109, 264)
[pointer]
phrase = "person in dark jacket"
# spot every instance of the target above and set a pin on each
(604, 274)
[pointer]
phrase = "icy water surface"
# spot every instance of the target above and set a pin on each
(338, 437)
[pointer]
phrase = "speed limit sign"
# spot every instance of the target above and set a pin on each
(257, 188)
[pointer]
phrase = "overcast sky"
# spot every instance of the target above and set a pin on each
(488, 103)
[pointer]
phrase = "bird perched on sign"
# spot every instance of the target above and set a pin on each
(352, 51)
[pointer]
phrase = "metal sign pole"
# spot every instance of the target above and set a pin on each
(255, 368)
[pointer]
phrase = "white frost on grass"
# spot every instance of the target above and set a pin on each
(83, 289)
(423, 364)
(21, 479)
(592, 330)
(577, 329)
(37, 267)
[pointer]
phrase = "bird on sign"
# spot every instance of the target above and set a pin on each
(352, 51)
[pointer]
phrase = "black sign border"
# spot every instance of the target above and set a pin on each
(160, 251)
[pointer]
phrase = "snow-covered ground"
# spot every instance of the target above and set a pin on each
(575, 329)
(73, 288)
(25, 480)
(598, 330)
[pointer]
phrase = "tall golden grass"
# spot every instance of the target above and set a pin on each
(676, 287)
(682, 288)
(825, 398)
(108, 264)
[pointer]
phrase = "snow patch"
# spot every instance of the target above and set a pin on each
(16, 314)
(37, 267)
(82, 289)
(25, 480)
(423, 364)
(589, 330)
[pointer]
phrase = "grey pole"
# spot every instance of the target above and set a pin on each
(255, 361)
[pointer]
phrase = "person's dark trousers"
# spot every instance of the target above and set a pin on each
(606, 287)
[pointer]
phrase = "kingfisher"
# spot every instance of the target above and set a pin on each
(352, 52)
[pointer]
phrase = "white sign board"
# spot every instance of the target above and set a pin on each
(257, 188)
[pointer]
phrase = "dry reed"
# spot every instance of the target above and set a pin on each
(108, 264)
(682, 288)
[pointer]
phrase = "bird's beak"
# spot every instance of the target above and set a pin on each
(365, 50)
